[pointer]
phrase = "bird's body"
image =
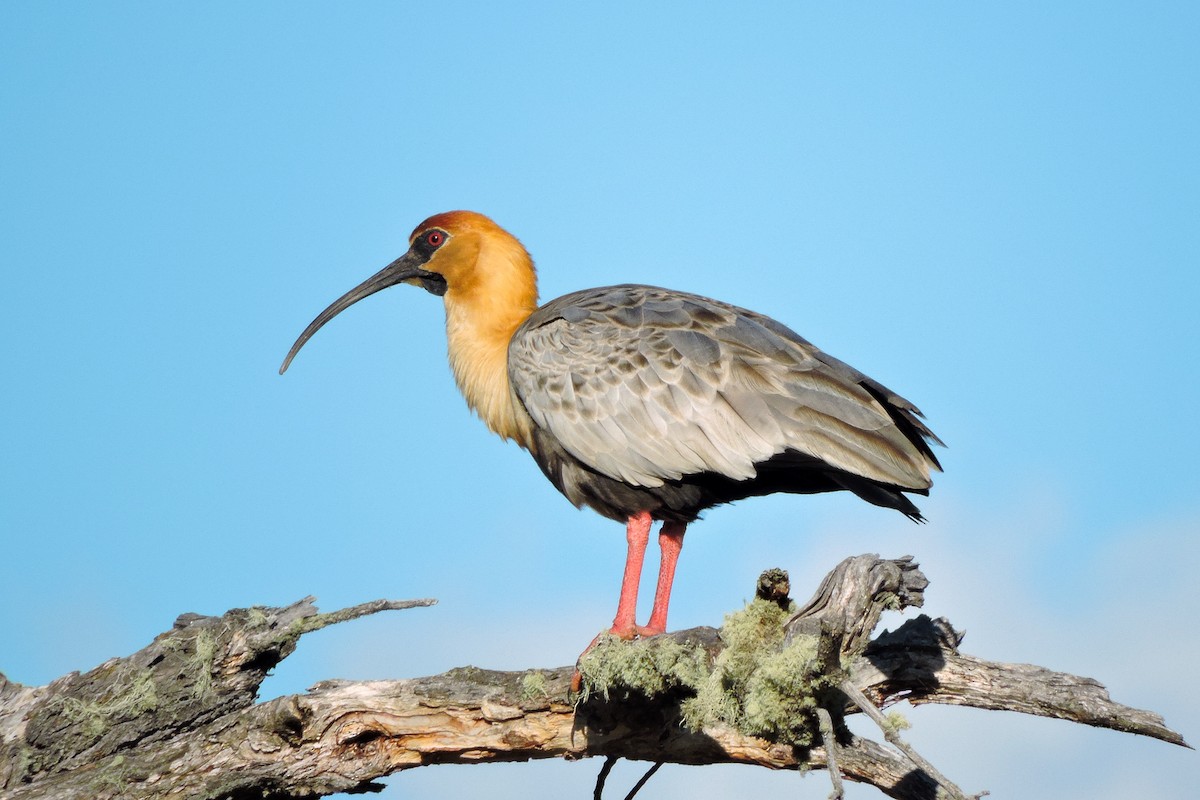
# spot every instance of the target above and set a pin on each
(644, 403)
(650, 399)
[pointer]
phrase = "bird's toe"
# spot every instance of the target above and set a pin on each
(626, 632)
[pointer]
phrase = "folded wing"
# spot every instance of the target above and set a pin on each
(646, 385)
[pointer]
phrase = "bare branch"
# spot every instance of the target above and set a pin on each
(920, 663)
(893, 736)
(318, 621)
(178, 719)
(829, 740)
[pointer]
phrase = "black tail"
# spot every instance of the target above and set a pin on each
(881, 494)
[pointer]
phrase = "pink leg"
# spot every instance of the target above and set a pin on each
(637, 534)
(670, 541)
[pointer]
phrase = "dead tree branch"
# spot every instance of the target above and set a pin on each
(178, 718)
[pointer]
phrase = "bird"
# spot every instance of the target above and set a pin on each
(647, 404)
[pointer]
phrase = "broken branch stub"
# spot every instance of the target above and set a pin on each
(851, 599)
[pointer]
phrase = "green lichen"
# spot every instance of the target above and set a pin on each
(21, 764)
(895, 722)
(202, 664)
(257, 616)
(649, 666)
(198, 664)
(112, 777)
(97, 716)
(533, 686)
(758, 686)
(780, 697)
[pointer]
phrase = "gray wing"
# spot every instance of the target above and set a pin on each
(646, 385)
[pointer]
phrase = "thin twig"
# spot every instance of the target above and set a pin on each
(831, 763)
(889, 733)
(598, 794)
(638, 786)
(318, 621)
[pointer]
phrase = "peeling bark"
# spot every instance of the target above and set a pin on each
(178, 719)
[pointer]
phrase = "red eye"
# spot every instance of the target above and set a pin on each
(435, 238)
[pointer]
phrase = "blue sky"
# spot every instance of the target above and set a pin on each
(990, 207)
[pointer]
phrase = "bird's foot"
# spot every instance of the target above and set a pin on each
(628, 632)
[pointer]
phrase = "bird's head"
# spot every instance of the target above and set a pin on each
(460, 255)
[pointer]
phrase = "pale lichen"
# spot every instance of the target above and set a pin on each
(96, 717)
(781, 696)
(895, 722)
(757, 685)
(198, 663)
(256, 616)
(533, 686)
(113, 777)
(649, 666)
(202, 664)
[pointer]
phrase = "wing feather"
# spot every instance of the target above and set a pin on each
(646, 385)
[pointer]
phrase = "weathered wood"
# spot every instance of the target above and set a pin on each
(200, 671)
(920, 663)
(850, 600)
(340, 736)
(178, 718)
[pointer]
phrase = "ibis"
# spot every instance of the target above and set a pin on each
(648, 404)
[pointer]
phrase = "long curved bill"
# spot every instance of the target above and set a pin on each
(405, 268)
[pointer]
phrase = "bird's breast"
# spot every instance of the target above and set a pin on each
(478, 356)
